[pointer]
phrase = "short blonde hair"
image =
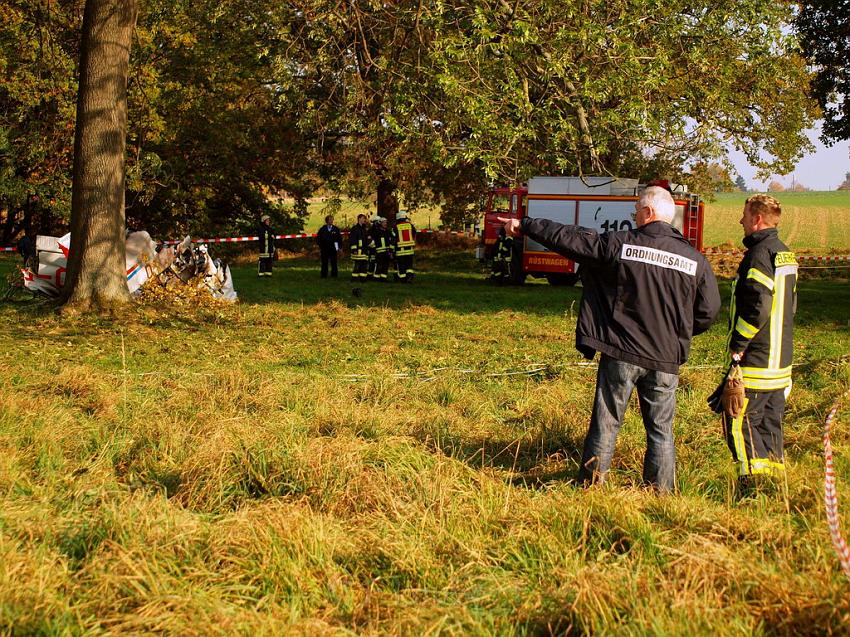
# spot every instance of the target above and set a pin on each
(766, 206)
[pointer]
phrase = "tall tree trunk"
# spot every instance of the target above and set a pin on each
(387, 200)
(96, 276)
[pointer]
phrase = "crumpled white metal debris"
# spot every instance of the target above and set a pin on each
(143, 262)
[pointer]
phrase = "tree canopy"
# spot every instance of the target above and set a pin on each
(824, 29)
(236, 106)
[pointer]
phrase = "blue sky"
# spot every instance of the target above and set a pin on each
(822, 170)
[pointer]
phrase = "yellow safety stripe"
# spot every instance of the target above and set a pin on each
(761, 277)
(737, 429)
(766, 374)
(765, 465)
(767, 385)
(745, 329)
(401, 227)
(777, 316)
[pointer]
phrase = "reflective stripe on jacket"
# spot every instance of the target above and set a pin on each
(266, 242)
(761, 312)
(405, 238)
(358, 240)
(503, 250)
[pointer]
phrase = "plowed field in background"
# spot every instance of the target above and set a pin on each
(815, 222)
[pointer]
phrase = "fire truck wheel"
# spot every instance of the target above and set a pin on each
(562, 279)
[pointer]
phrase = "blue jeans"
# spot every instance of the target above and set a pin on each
(657, 396)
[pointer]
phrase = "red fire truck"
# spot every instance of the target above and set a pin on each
(602, 203)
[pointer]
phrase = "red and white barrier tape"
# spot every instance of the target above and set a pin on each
(800, 257)
(829, 493)
(291, 236)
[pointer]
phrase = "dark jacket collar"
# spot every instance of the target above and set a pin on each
(660, 229)
(759, 236)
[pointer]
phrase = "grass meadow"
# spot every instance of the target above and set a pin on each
(307, 462)
(811, 221)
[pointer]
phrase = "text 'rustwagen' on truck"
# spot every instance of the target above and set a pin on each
(604, 204)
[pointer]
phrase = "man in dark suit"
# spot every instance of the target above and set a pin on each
(329, 239)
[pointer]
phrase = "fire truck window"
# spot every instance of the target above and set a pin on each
(500, 204)
(513, 203)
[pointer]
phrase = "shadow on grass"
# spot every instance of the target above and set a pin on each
(533, 461)
(460, 288)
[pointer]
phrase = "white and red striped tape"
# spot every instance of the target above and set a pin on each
(830, 495)
(800, 257)
(734, 253)
(291, 236)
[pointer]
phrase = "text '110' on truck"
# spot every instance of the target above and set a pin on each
(604, 204)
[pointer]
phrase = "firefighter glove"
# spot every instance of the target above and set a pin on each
(732, 398)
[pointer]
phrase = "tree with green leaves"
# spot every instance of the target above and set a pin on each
(824, 30)
(393, 92)
(39, 49)
(212, 141)
(622, 86)
(740, 184)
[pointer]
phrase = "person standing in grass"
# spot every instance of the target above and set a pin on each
(329, 239)
(503, 251)
(383, 245)
(404, 240)
(358, 242)
(761, 342)
(267, 248)
(646, 293)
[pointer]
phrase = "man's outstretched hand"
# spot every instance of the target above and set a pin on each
(512, 226)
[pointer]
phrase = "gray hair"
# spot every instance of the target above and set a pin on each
(661, 202)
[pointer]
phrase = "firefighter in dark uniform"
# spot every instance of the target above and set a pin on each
(383, 249)
(358, 243)
(646, 293)
(503, 251)
(267, 247)
(761, 326)
(374, 226)
(404, 240)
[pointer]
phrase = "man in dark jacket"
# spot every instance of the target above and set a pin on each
(761, 341)
(329, 239)
(267, 247)
(647, 292)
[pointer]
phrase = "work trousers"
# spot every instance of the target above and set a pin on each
(358, 269)
(501, 270)
(264, 266)
(404, 266)
(657, 398)
(328, 259)
(382, 266)
(755, 436)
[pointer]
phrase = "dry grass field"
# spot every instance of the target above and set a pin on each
(307, 462)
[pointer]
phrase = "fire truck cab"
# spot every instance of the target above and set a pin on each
(602, 203)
